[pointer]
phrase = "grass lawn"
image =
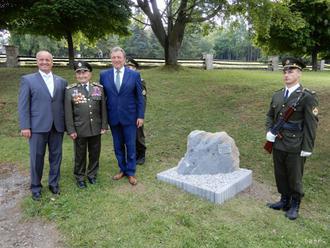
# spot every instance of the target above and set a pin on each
(156, 214)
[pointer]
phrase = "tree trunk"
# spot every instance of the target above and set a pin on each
(314, 59)
(171, 58)
(70, 49)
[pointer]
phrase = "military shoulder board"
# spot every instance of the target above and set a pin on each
(71, 86)
(97, 84)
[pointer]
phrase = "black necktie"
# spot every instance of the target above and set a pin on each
(286, 95)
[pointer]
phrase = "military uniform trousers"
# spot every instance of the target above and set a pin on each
(140, 137)
(81, 145)
(288, 170)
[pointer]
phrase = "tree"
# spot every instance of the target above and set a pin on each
(64, 18)
(169, 25)
(234, 42)
(300, 27)
(29, 44)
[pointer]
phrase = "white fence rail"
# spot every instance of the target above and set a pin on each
(146, 62)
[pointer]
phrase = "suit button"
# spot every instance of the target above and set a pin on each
(90, 113)
(91, 119)
(280, 113)
(294, 135)
(283, 105)
(90, 106)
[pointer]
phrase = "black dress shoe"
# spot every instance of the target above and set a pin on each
(54, 189)
(36, 196)
(81, 184)
(92, 180)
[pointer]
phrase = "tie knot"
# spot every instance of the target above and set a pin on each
(117, 71)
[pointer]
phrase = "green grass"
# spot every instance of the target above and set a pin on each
(156, 214)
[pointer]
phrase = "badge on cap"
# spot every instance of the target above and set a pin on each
(79, 64)
(287, 62)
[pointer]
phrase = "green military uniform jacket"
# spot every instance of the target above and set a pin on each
(144, 92)
(85, 112)
(299, 133)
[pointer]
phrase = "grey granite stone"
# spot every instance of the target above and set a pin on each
(209, 153)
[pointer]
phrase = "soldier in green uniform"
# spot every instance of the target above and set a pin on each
(86, 120)
(295, 141)
(140, 137)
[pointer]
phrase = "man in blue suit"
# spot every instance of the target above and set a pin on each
(41, 118)
(125, 104)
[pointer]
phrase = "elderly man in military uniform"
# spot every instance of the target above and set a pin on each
(86, 120)
(140, 137)
(295, 141)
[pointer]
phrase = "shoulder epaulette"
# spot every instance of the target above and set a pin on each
(97, 84)
(310, 91)
(71, 86)
(282, 89)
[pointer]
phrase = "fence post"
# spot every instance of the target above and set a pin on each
(273, 63)
(12, 56)
(208, 61)
(321, 65)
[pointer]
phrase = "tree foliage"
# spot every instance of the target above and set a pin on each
(64, 18)
(169, 25)
(300, 27)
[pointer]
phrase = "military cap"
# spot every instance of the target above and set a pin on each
(82, 66)
(293, 63)
(132, 62)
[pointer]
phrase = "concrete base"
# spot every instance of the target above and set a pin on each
(215, 188)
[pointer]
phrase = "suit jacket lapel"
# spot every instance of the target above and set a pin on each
(112, 80)
(125, 79)
(43, 84)
(56, 85)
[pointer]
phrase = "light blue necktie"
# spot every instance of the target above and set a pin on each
(117, 80)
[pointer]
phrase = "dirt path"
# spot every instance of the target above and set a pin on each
(14, 230)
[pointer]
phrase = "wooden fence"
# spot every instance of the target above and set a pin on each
(146, 62)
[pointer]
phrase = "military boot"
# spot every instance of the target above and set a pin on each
(292, 213)
(141, 158)
(284, 203)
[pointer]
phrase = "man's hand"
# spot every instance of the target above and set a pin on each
(139, 122)
(305, 154)
(26, 133)
(103, 131)
(73, 136)
(270, 136)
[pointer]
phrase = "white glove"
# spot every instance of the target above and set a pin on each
(305, 154)
(270, 136)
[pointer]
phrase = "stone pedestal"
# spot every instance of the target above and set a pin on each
(12, 56)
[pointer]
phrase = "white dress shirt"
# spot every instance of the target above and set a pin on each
(292, 89)
(49, 80)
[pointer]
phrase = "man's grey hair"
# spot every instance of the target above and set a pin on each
(44, 51)
(118, 49)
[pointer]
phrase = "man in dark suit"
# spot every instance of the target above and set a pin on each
(41, 117)
(125, 104)
(140, 137)
(296, 139)
(86, 120)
